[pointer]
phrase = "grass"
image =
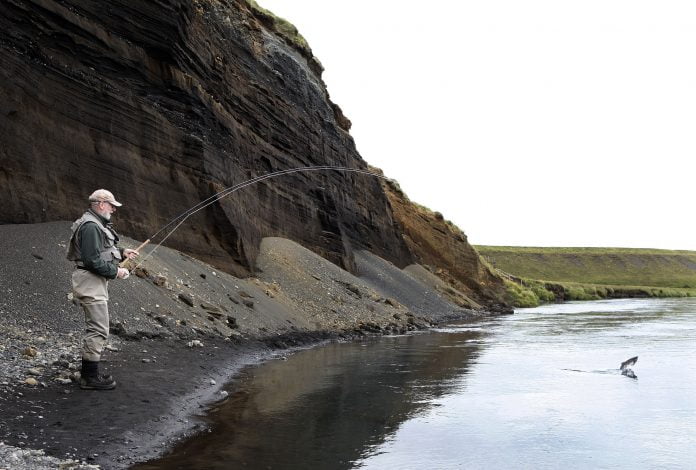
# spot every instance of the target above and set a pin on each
(602, 266)
(538, 275)
(532, 293)
(282, 26)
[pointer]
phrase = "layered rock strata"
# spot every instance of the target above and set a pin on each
(168, 102)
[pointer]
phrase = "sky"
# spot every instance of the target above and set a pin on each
(535, 123)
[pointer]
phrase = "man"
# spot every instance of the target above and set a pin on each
(93, 248)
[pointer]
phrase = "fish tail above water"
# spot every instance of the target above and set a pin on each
(628, 363)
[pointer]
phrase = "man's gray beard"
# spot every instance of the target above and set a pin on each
(106, 215)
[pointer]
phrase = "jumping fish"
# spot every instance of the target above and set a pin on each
(626, 367)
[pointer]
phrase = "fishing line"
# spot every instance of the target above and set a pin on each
(181, 218)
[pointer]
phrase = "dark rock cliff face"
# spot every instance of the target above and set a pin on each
(165, 103)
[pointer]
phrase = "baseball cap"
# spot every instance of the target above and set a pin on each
(102, 195)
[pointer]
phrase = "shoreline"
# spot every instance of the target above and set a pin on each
(158, 317)
(160, 420)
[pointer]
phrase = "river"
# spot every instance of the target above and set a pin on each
(538, 389)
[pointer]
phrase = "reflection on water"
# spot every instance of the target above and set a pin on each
(539, 389)
(323, 407)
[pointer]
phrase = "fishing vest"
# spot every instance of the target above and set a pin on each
(109, 252)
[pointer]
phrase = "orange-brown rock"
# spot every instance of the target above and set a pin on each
(443, 247)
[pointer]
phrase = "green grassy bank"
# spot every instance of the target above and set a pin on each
(538, 275)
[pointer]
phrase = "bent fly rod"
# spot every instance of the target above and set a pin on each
(181, 218)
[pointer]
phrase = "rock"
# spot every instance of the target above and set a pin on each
(232, 322)
(203, 275)
(164, 320)
(195, 344)
(353, 288)
(248, 303)
(233, 300)
(160, 281)
(211, 308)
(31, 381)
(316, 277)
(301, 102)
(146, 360)
(37, 256)
(224, 393)
(117, 328)
(34, 371)
(141, 272)
(212, 382)
(244, 294)
(187, 299)
(63, 380)
(31, 351)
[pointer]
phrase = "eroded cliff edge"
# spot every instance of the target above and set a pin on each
(168, 102)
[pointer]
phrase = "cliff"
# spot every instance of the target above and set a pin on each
(443, 247)
(168, 102)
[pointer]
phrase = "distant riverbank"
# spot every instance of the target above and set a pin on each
(538, 275)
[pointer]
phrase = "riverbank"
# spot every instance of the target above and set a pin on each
(598, 266)
(536, 275)
(180, 330)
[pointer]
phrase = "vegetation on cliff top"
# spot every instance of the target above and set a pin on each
(286, 30)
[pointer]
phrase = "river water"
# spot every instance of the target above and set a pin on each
(538, 389)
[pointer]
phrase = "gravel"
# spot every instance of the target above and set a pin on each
(14, 458)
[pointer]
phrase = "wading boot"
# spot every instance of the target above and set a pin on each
(91, 380)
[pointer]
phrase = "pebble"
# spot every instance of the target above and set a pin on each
(224, 393)
(212, 382)
(187, 299)
(146, 361)
(34, 371)
(195, 343)
(30, 352)
(31, 381)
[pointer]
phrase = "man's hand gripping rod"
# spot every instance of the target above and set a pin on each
(142, 245)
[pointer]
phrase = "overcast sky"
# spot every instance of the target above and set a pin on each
(536, 123)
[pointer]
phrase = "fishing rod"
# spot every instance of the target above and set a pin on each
(181, 218)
